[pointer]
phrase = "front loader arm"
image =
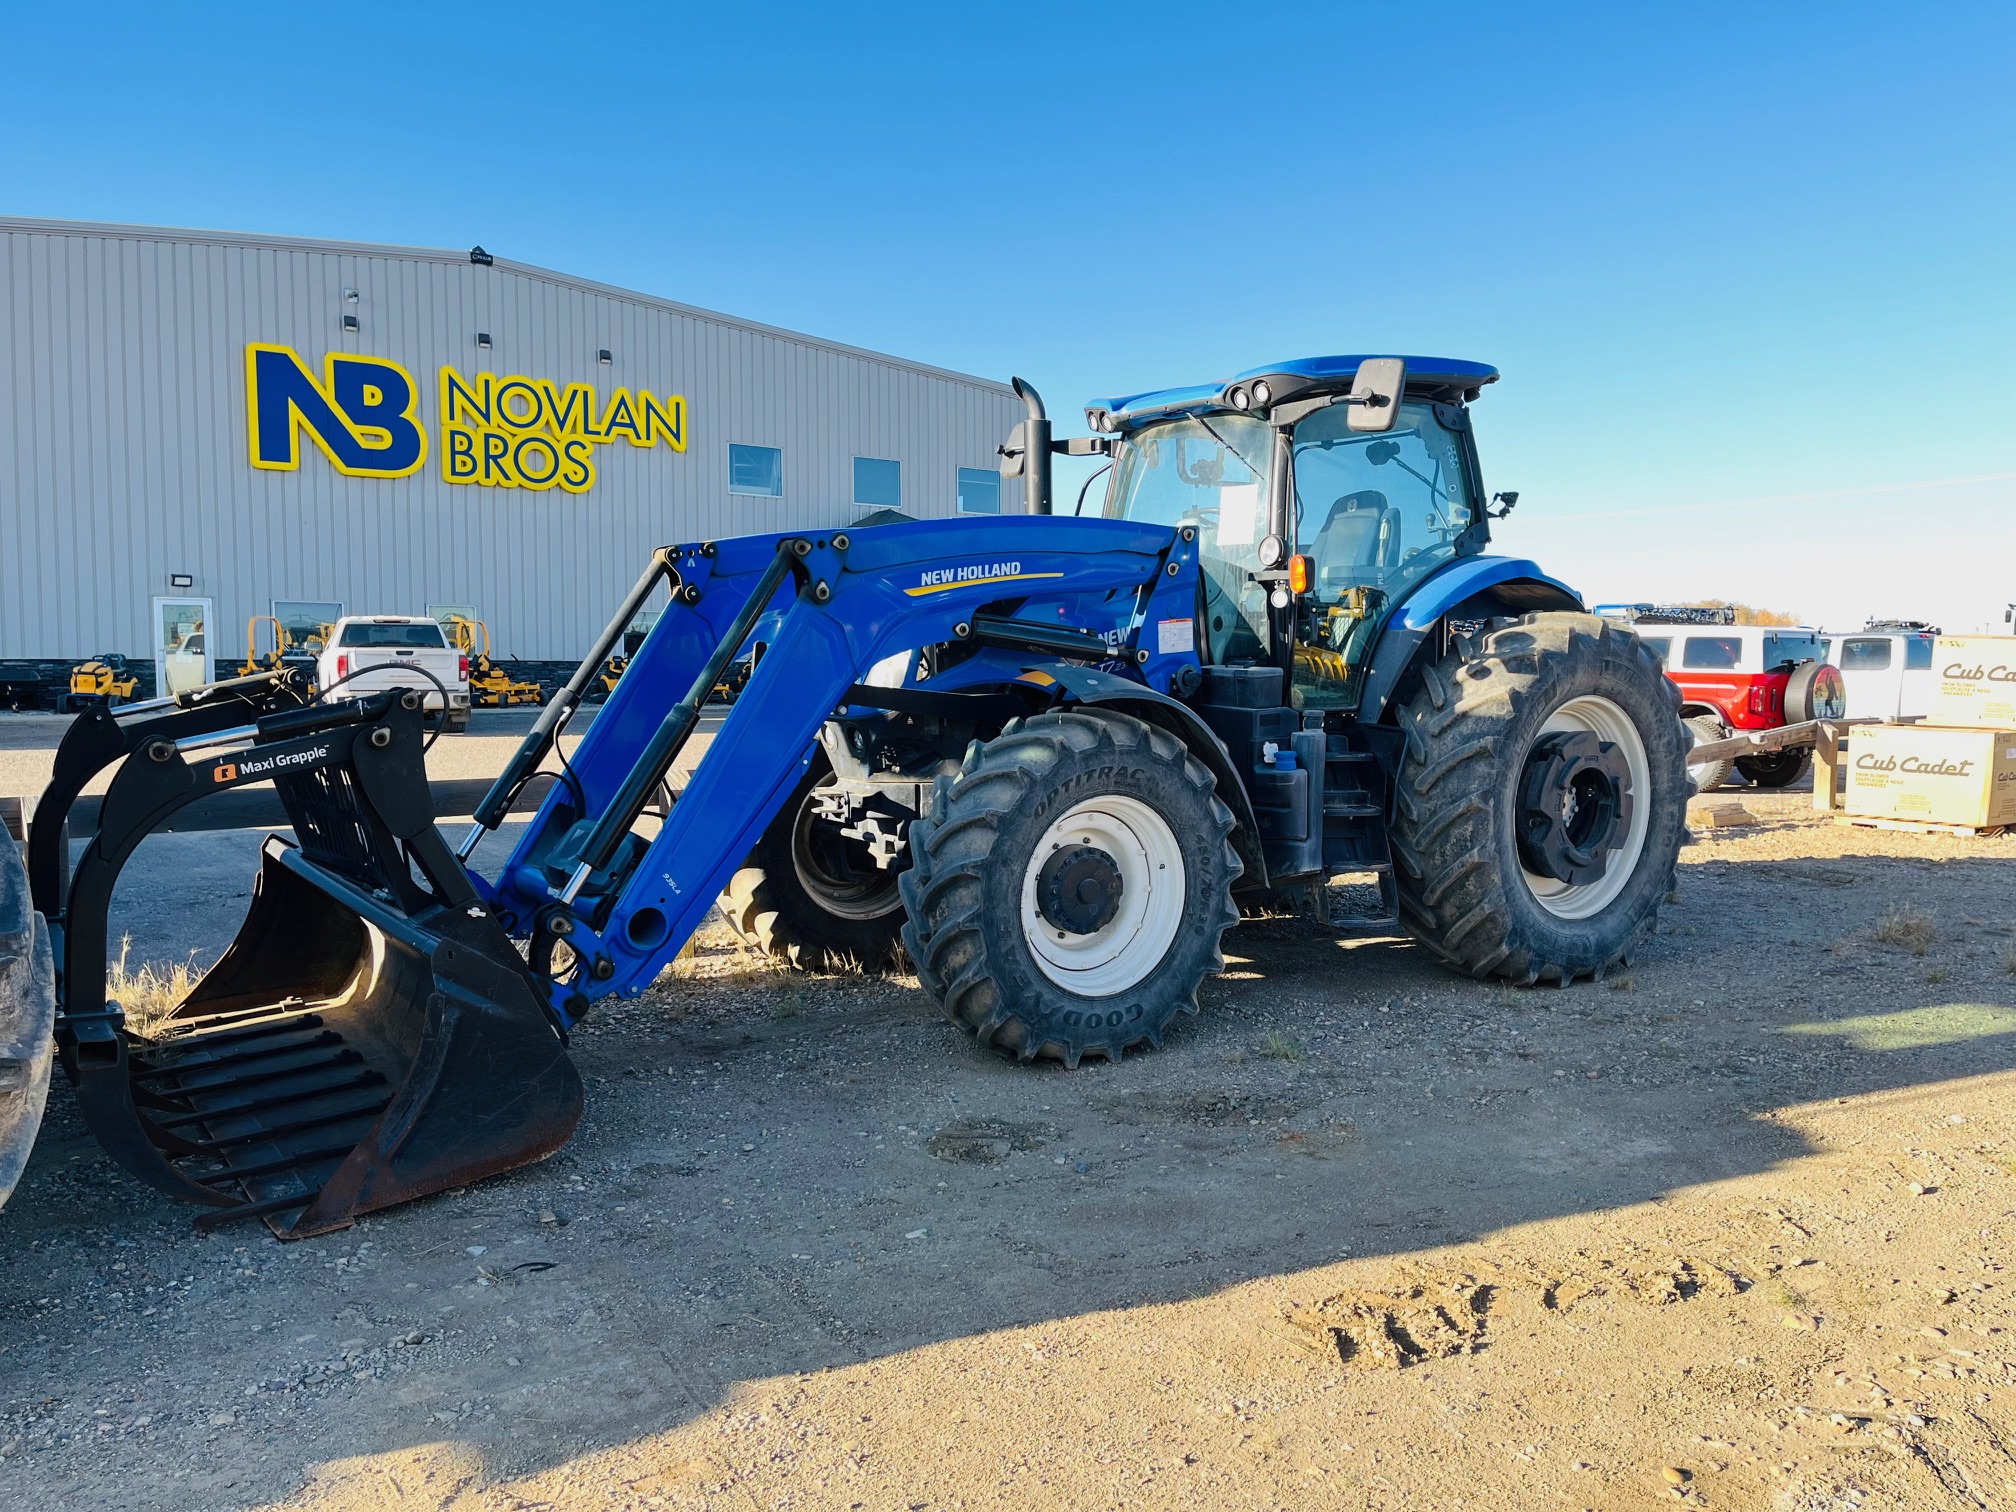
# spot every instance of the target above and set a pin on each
(847, 603)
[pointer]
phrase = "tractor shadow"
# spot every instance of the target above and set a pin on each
(783, 1174)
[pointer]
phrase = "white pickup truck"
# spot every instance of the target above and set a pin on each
(368, 653)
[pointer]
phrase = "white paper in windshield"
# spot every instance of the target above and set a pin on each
(1238, 514)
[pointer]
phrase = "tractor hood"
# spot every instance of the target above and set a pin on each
(1446, 378)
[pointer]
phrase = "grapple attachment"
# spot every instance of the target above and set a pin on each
(371, 1034)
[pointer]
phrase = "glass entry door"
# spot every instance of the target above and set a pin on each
(181, 644)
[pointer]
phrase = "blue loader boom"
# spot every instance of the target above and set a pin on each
(845, 603)
(1043, 762)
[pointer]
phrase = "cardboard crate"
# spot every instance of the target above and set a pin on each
(1974, 681)
(1936, 774)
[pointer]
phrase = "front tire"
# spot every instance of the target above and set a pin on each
(27, 1015)
(1068, 889)
(1714, 774)
(1501, 874)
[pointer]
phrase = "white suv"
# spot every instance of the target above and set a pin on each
(1886, 668)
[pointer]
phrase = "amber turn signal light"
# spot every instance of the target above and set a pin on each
(1301, 573)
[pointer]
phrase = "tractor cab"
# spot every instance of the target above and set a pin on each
(1325, 490)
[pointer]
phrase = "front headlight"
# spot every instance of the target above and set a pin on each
(1261, 392)
(1240, 399)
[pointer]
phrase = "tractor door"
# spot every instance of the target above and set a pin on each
(1376, 513)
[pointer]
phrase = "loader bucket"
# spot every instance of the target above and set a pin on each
(367, 1038)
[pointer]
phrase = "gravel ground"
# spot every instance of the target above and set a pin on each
(1729, 1230)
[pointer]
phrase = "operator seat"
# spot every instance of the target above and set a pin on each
(1358, 541)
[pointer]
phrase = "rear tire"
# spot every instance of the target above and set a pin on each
(815, 900)
(1706, 779)
(1775, 769)
(1475, 738)
(27, 1016)
(1068, 889)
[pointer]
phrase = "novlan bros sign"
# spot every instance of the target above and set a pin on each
(362, 414)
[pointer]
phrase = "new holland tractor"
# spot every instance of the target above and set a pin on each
(1050, 756)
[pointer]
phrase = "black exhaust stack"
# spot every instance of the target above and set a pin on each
(1032, 441)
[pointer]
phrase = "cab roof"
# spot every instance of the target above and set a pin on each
(1446, 378)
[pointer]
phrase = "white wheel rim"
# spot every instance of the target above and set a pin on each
(1607, 721)
(1152, 885)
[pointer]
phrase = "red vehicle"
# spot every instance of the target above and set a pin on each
(1741, 677)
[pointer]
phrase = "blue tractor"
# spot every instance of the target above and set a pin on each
(1047, 759)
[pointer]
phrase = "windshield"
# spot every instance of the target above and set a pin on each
(1377, 513)
(1211, 472)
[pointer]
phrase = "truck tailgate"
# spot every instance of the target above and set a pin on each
(387, 668)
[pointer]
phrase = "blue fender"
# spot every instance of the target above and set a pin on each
(1516, 583)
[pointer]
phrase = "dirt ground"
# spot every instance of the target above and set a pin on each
(1732, 1230)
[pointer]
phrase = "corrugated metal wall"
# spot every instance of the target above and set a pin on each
(123, 450)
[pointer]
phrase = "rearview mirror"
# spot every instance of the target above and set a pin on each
(1374, 400)
(1015, 451)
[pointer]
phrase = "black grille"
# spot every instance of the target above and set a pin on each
(328, 817)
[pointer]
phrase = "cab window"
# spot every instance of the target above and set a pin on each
(1660, 646)
(1917, 654)
(1869, 653)
(1712, 653)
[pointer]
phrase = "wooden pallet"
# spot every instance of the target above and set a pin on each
(1923, 826)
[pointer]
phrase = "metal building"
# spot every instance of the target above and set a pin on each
(200, 427)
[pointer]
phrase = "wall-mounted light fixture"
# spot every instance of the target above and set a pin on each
(349, 322)
(483, 340)
(603, 356)
(350, 296)
(181, 580)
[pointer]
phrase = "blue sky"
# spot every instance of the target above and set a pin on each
(1748, 271)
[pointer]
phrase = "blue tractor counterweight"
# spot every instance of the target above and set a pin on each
(1045, 760)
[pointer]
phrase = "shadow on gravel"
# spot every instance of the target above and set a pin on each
(781, 1176)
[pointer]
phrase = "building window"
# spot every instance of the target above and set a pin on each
(979, 491)
(756, 470)
(878, 482)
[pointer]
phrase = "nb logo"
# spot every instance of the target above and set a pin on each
(360, 413)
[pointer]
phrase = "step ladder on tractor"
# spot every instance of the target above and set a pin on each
(1047, 759)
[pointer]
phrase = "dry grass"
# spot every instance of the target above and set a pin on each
(1936, 975)
(1280, 1047)
(1907, 927)
(1623, 984)
(149, 993)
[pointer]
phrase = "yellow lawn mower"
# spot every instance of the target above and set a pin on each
(490, 686)
(105, 681)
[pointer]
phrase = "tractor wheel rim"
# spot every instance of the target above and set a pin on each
(824, 866)
(1123, 951)
(1607, 721)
